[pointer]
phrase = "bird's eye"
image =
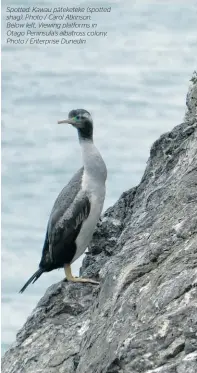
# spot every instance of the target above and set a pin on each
(78, 117)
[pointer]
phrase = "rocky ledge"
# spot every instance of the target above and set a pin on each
(143, 316)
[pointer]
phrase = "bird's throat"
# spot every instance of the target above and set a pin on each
(92, 160)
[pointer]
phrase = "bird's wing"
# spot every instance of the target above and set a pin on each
(62, 204)
(67, 228)
(66, 196)
(70, 210)
(45, 259)
(65, 200)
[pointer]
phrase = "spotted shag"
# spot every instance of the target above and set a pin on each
(77, 208)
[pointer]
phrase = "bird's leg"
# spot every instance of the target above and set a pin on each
(70, 277)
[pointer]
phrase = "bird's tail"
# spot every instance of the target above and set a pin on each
(32, 279)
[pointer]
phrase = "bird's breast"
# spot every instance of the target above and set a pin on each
(96, 195)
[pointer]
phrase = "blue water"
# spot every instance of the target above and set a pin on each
(134, 83)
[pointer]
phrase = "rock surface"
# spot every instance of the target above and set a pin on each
(143, 316)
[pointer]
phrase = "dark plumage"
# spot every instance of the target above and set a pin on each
(63, 228)
(86, 130)
(64, 225)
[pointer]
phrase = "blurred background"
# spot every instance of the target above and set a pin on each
(134, 83)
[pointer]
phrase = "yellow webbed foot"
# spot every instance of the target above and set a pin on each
(70, 277)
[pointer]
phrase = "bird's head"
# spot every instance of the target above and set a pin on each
(82, 120)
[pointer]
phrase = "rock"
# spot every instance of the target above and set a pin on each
(143, 316)
(191, 100)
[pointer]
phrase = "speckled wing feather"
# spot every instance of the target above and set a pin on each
(67, 216)
(63, 236)
(65, 198)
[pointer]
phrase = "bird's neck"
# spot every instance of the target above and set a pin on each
(92, 160)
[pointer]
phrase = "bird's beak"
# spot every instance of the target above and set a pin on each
(69, 121)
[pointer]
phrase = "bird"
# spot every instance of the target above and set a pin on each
(78, 207)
